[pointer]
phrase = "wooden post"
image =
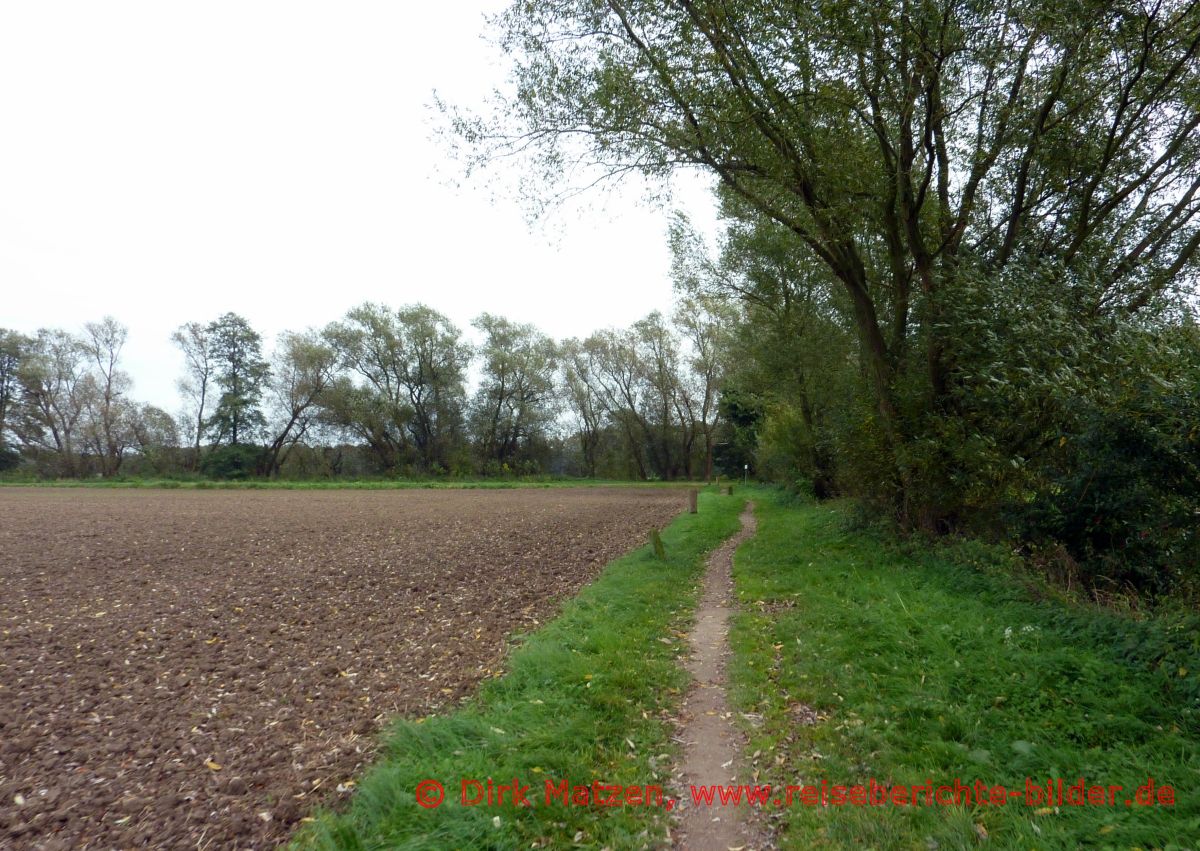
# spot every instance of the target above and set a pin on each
(656, 543)
(693, 494)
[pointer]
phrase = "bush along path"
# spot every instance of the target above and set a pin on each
(586, 707)
(712, 742)
(953, 704)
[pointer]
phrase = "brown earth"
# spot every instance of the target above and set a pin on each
(712, 743)
(198, 669)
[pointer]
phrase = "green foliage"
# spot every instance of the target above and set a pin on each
(407, 397)
(514, 406)
(952, 227)
(232, 461)
(13, 350)
(1071, 429)
(236, 352)
(632, 392)
(928, 664)
(1120, 489)
(741, 418)
(422, 483)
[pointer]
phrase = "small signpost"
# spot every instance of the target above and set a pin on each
(656, 543)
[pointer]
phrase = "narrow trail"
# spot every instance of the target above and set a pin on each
(713, 745)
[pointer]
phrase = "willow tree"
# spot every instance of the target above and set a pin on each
(13, 348)
(109, 410)
(194, 340)
(791, 348)
(515, 403)
(304, 368)
(908, 146)
(54, 396)
(412, 362)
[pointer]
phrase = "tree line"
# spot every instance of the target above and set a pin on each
(964, 237)
(958, 281)
(380, 392)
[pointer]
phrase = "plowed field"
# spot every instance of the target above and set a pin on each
(199, 668)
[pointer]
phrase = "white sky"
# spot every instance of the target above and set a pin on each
(165, 162)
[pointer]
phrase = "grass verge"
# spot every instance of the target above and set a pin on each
(586, 698)
(868, 662)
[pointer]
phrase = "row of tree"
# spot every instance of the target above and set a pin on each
(381, 392)
(959, 280)
(64, 397)
(965, 235)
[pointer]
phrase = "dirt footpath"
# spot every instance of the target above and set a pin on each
(199, 668)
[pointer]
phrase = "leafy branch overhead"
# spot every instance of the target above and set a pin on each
(961, 235)
(901, 144)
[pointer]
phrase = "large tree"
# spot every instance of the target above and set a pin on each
(616, 375)
(635, 378)
(156, 438)
(667, 410)
(375, 407)
(13, 347)
(412, 365)
(194, 341)
(584, 400)
(110, 413)
(54, 396)
(708, 324)
(916, 150)
(515, 401)
(239, 369)
(305, 366)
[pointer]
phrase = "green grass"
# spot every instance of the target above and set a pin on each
(585, 698)
(928, 667)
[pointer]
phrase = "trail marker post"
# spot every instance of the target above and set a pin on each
(656, 543)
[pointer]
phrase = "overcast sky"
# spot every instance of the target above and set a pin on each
(165, 162)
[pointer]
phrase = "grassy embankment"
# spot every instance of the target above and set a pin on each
(585, 698)
(942, 664)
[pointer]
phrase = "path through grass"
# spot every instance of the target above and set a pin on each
(587, 698)
(915, 668)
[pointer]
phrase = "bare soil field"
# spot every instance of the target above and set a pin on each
(198, 669)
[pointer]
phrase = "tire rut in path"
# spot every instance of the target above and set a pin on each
(712, 743)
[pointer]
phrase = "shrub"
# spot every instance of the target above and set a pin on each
(9, 458)
(236, 461)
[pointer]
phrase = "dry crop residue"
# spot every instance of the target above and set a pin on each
(199, 668)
